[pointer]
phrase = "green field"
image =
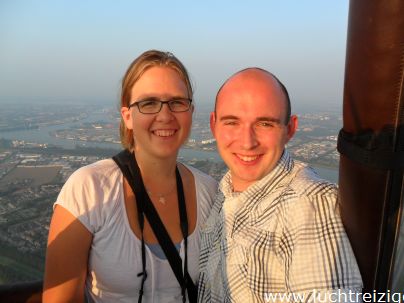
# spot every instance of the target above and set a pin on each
(12, 271)
(16, 266)
(38, 174)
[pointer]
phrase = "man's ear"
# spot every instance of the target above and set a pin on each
(292, 127)
(212, 123)
(127, 117)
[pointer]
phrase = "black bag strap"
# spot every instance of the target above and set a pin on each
(122, 160)
(127, 163)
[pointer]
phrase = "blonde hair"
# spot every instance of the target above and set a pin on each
(137, 68)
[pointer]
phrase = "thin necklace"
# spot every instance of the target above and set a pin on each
(162, 197)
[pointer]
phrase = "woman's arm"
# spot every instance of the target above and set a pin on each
(66, 258)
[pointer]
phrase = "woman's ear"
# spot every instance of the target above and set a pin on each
(126, 114)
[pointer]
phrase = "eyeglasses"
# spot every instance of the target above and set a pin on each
(155, 106)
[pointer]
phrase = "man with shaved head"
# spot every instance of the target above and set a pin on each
(275, 230)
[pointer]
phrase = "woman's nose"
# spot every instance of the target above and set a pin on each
(165, 114)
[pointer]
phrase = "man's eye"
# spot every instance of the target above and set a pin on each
(230, 123)
(265, 124)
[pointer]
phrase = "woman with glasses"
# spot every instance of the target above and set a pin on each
(101, 246)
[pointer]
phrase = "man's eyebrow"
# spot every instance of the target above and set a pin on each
(269, 119)
(228, 117)
(259, 119)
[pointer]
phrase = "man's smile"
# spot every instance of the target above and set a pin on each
(250, 159)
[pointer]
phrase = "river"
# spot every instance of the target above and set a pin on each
(43, 135)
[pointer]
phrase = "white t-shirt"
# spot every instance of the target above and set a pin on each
(94, 195)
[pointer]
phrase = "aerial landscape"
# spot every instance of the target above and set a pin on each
(64, 68)
(62, 65)
(40, 150)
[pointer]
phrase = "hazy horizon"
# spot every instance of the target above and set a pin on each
(57, 51)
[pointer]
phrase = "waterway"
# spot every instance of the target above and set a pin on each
(44, 135)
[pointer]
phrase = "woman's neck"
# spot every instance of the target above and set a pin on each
(156, 169)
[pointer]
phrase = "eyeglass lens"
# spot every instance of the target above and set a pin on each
(154, 106)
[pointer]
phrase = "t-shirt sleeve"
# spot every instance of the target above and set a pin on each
(82, 197)
(206, 188)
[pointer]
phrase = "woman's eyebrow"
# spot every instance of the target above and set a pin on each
(155, 98)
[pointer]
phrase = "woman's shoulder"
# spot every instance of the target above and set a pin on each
(91, 193)
(206, 190)
(202, 179)
(93, 181)
(97, 170)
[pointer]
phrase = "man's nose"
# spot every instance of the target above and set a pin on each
(248, 138)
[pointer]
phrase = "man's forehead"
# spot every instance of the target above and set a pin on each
(251, 75)
(250, 81)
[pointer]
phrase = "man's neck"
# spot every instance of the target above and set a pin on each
(240, 185)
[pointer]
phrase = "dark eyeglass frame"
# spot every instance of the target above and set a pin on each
(168, 102)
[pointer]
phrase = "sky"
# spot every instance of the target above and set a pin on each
(77, 51)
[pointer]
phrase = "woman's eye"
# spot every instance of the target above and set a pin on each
(177, 102)
(145, 104)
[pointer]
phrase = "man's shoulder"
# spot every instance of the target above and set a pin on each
(306, 182)
(308, 196)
